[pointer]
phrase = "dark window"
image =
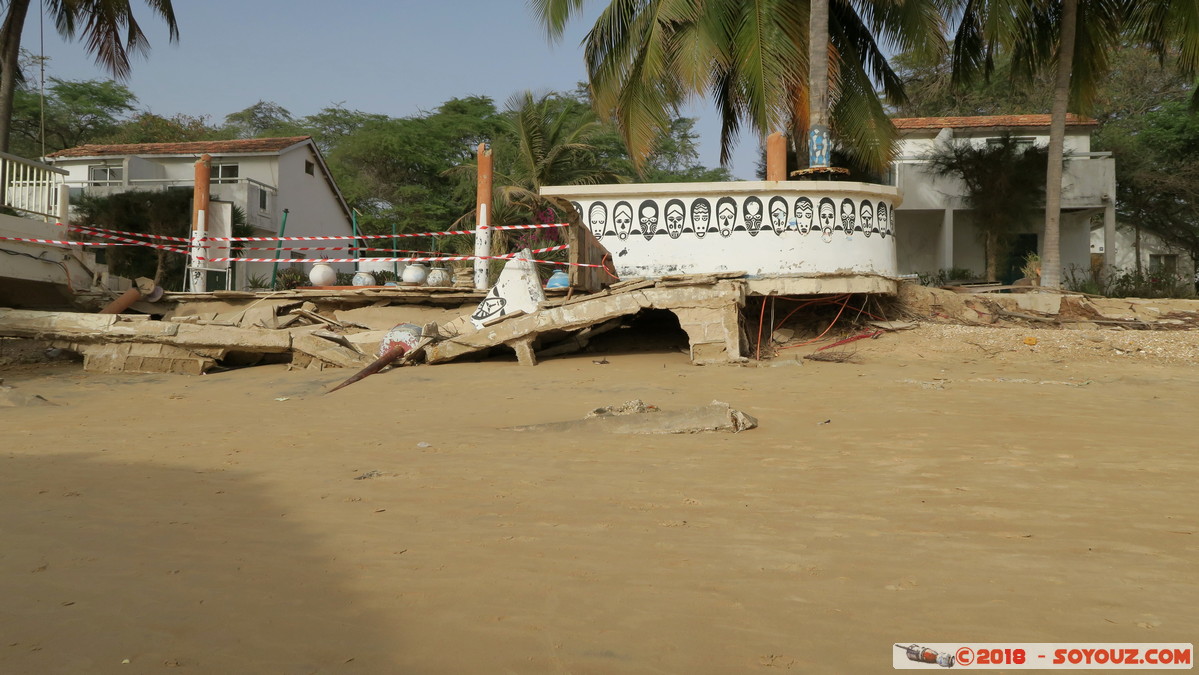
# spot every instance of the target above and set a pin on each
(105, 175)
(310, 168)
(261, 199)
(224, 173)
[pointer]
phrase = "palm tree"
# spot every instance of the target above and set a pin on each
(110, 31)
(547, 143)
(645, 57)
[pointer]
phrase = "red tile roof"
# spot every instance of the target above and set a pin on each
(986, 121)
(190, 148)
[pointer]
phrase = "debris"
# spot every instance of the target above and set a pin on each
(11, 398)
(281, 398)
(782, 335)
(716, 416)
(518, 288)
(892, 325)
(1030, 341)
(855, 338)
(396, 351)
(423, 444)
(368, 475)
(627, 408)
(820, 424)
(841, 356)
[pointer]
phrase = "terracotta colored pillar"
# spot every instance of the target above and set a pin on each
(200, 197)
(483, 218)
(776, 157)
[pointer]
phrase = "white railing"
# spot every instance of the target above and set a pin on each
(31, 187)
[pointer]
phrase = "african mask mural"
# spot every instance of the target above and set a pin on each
(828, 216)
(701, 217)
(752, 213)
(674, 212)
(803, 214)
(778, 214)
(647, 215)
(597, 219)
(884, 224)
(726, 213)
(622, 214)
(848, 213)
(866, 217)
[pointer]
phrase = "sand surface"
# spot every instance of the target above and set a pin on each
(935, 491)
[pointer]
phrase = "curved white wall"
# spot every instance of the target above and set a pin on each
(764, 228)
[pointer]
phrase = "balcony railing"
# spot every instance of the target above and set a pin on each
(31, 187)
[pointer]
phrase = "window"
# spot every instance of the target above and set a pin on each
(261, 199)
(1164, 263)
(309, 168)
(105, 175)
(1022, 142)
(224, 173)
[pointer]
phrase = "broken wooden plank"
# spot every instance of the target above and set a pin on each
(313, 316)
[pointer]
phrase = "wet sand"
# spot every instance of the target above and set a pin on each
(932, 492)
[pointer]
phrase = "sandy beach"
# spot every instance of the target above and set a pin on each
(952, 484)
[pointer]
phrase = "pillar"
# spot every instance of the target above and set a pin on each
(947, 240)
(776, 157)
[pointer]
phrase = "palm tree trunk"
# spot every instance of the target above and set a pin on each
(818, 135)
(1051, 256)
(992, 252)
(10, 52)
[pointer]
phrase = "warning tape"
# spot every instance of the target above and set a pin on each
(101, 232)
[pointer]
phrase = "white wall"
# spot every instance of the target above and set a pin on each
(757, 227)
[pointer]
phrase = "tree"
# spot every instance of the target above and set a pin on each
(109, 28)
(646, 57)
(1004, 184)
(76, 112)
(1077, 38)
(147, 127)
(264, 118)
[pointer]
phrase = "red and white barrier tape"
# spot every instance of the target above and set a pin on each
(99, 232)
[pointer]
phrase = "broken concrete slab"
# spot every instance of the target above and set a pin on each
(635, 417)
(11, 397)
(709, 314)
(517, 289)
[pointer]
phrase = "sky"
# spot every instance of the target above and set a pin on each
(395, 57)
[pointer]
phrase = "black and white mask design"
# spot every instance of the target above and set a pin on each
(884, 223)
(597, 220)
(847, 215)
(778, 214)
(803, 214)
(726, 213)
(701, 217)
(648, 215)
(674, 218)
(622, 213)
(752, 213)
(866, 217)
(828, 216)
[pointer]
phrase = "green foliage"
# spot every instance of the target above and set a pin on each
(264, 118)
(147, 127)
(77, 112)
(1130, 283)
(1004, 185)
(646, 58)
(166, 212)
(288, 278)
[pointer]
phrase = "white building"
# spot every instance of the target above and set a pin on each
(934, 231)
(262, 176)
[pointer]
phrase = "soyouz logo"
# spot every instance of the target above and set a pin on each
(1044, 656)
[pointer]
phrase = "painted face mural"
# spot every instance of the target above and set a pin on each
(622, 213)
(866, 217)
(701, 217)
(726, 213)
(884, 224)
(674, 213)
(647, 215)
(597, 219)
(778, 214)
(847, 215)
(803, 214)
(752, 212)
(828, 216)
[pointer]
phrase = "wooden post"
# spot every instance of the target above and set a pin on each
(776, 157)
(482, 216)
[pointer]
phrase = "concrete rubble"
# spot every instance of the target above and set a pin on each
(635, 417)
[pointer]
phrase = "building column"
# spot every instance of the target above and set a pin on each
(1109, 237)
(947, 240)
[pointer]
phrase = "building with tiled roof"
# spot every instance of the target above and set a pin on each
(935, 230)
(264, 177)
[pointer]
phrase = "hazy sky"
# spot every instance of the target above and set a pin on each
(396, 57)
